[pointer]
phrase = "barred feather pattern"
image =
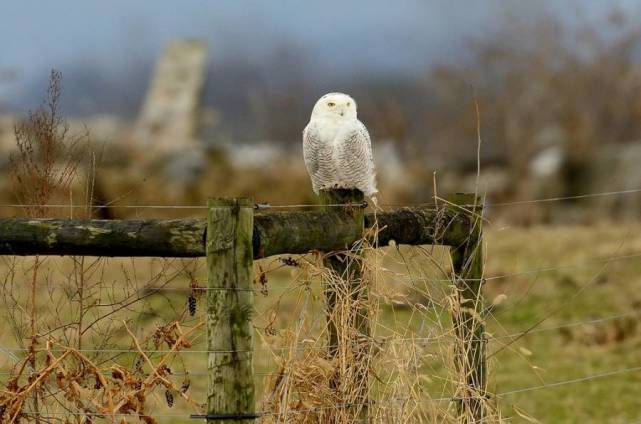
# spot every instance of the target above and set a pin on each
(338, 154)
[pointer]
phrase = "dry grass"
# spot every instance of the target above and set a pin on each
(61, 328)
(83, 318)
(412, 346)
(351, 363)
(378, 367)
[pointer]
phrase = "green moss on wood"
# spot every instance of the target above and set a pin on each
(229, 307)
(273, 234)
(469, 325)
(348, 266)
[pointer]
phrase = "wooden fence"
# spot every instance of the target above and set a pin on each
(234, 234)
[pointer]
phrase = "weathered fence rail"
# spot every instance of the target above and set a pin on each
(234, 234)
(274, 233)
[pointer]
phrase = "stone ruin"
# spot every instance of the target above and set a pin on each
(168, 126)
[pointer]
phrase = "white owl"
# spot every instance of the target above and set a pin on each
(337, 148)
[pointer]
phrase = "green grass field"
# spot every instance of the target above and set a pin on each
(583, 315)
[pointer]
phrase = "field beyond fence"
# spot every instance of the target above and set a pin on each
(382, 332)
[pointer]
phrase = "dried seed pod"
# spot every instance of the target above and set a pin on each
(60, 380)
(138, 365)
(169, 397)
(290, 261)
(262, 280)
(117, 374)
(185, 385)
(191, 301)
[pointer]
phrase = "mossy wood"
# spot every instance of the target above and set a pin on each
(232, 236)
(274, 233)
(229, 308)
(347, 265)
(468, 318)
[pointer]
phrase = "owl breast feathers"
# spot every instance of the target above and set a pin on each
(337, 147)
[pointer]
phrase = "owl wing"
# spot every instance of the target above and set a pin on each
(318, 158)
(367, 142)
(356, 161)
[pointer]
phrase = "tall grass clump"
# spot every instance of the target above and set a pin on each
(405, 366)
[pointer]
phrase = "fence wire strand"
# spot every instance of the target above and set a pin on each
(592, 321)
(260, 205)
(302, 346)
(349, 405)
(541, 270)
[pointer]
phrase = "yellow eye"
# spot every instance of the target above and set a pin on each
(331, 104)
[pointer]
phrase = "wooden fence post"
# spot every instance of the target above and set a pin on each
(230, 302)
(469, 325)
(348, 266)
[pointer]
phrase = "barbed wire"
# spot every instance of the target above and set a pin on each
(561, 198)
(163, 351)
(261, 413)
(105, 414)
(303, 346)
(529, 201)
(540, 270)
(256, 206)
(306, 286)
(186, 289)
(350, 405)
(362, 205)
(62, 206)
(560, 267)
(570, 324)
(570, 381)
(182, 374)
(261, 205)
(268, 206)
(520, 333)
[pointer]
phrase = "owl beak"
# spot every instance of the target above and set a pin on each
(342, 113)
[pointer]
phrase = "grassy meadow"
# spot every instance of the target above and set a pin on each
(568, 309)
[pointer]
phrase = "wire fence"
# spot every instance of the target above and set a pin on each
(521, 390)
(570, 324)
(263, 205)
(588, 321)
(201, 286)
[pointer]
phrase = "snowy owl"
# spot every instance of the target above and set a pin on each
(337, 148)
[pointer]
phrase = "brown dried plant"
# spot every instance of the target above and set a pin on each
(69, 324)
(48, 154)
(406, 368)
(46, 161)
(85, 388)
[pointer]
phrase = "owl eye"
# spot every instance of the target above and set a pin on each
(331, 104)
(349, 104)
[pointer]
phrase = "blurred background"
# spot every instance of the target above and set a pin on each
(536, 105)
(203, 99)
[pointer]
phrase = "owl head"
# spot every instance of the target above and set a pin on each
(337, 106)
